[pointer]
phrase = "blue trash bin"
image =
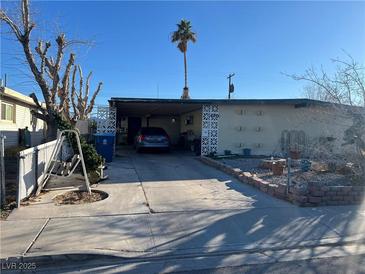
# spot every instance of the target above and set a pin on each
(104, 143)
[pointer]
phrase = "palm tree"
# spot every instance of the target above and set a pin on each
(182, 36)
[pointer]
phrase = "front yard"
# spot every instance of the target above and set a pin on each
(318, 183)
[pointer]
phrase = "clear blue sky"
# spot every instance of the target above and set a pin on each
(133, 56)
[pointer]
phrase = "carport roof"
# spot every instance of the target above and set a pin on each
(146, 106)
(294, 101)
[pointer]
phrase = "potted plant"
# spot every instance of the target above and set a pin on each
(277, 168)
(294, 153)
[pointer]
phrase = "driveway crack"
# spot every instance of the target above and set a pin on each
(147, 203)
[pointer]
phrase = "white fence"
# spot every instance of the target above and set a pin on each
(2, 169)
(32, 163)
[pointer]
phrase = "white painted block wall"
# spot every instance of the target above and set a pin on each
(259, 127)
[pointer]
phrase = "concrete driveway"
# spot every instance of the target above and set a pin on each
(170, 204)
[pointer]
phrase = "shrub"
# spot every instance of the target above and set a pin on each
(92, 159)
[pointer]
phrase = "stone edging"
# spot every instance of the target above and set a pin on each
(312, 196)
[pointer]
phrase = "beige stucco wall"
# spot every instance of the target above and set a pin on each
(23, 118)
(196, 126)
(259, 127)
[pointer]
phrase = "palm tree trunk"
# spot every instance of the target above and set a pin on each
(186, 71)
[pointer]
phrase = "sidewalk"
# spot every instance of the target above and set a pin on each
(178, 233)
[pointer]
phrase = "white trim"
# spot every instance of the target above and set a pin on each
(13, 120)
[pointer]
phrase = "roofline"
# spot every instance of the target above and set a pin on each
(295, 101)
(17, 96)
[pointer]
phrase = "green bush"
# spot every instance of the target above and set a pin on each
(92, 159)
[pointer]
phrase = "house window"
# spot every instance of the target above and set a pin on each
(7, 112)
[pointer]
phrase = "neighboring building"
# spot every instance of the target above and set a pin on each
(15, 114)
(266, 127)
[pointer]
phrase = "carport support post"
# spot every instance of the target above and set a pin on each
(289, 176)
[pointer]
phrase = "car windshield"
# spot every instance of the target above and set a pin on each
(153, 131)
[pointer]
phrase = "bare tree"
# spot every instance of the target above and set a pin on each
(345, 89)
(52, 79)
(79, 99)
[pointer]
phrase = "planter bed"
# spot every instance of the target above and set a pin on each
(307, 188)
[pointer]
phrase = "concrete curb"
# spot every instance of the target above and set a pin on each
(50, 258)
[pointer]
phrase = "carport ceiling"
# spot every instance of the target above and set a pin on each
(154, 108)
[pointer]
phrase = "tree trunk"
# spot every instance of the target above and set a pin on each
(186, 70)
(51, 129)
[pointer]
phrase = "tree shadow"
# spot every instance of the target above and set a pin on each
(264, 224)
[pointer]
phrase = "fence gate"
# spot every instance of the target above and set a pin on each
(209, 142)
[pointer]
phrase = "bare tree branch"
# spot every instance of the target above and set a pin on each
(4, 17)
(64, 105)
(92, 101)
(73, 94)
(40, 116)
(47, 72)
(346, 87)
(35, 99)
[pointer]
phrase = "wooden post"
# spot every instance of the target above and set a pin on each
(229, 77)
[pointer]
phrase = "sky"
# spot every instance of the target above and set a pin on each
(132, 55)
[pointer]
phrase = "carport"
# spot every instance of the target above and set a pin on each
(181, 119)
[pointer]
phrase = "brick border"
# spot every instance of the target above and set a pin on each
(312, 196)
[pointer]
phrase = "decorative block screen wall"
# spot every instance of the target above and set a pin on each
(210, 116)
(106, 119)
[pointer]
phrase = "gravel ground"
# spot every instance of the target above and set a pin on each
(298, 177)
(246, 165)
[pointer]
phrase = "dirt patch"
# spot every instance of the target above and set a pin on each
(6, 210)
(80, 197)
(10, 199)
(246, 165)
(11, 186)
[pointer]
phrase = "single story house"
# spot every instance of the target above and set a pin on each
(15, 114)
(264, 127)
